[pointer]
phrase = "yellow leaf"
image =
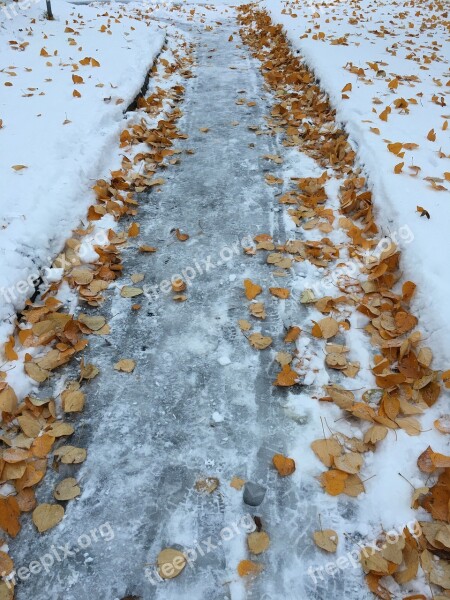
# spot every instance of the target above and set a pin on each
(431, 135)
(398, 168)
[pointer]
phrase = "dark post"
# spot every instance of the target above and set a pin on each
(49, 10)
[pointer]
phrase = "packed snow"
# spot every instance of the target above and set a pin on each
(65, 85)
(395, 56)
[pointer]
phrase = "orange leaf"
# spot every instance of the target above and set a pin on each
(10, 353)
(398, 168)
(286, 377)
(333, 481)
(248, 567)
(431, 135)
(134, 230)
(393, 85)
(395, 148)
(292, 334)
(429, 461)
(77, 79)
(282, 293)
(347, 88)
(284, 465)
(24, 334)
(251, 289)
(9, 515)
(182, 237)
(384, 115)
(42, 445)
(76, 94)
(408, 290)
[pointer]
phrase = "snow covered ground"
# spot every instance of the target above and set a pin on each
(385, 67)
(201, 402)
(64, 86)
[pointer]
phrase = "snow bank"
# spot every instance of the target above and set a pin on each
(408, 48)
(64, 132)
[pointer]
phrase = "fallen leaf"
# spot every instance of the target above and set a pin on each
(207, 485)
(9, 516)
(282, 293)
(251, 289)
(71, 455)
(127, 365)
(129, 291)
(182, 237)
(67, 489)
(171, 563)
(286, 377)
(259, 341)
(247, 568)
(284, 465)
(326, 539)
(47, 516)
(326, 328)
(237, 483)
(258, 542)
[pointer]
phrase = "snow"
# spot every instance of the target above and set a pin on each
(66, 143)
(202, 401)
(415, 50)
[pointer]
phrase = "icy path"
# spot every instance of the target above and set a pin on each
(151, 435)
